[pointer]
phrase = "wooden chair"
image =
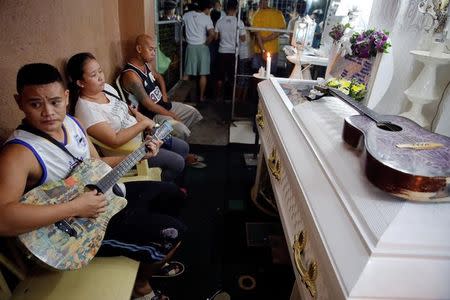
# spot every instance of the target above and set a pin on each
(142, 172)
(105, 278)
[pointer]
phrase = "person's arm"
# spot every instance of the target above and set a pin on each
(211, 36)
(259, 42)
(241, 31)
(104, 133)
(19, 168)
(133, 84)
(152, 146)
(161, 84)
(216, 34)
(272, 36)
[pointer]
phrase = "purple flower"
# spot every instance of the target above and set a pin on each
(367, 43)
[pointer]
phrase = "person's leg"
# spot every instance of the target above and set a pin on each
(274, 64)
(179, 129)
(171, 164)
(188, 114)
(230, 63)
(220, 77)
(178, 146)
(202, 84)
(203, 68)
(140, 234)
(156, 196)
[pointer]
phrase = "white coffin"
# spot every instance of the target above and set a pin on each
(366, 243)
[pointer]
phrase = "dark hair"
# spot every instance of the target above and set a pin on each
(204, 4)
(169, 4)
(232, 5)
(74, 70)
(37, 73)
(301, 8)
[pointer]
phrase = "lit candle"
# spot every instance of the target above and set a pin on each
(269, 63)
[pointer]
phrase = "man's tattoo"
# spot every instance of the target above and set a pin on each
(138, 91)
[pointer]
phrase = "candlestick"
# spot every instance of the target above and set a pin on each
(268, 65)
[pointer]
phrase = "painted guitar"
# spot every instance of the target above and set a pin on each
(72, 243)
(402, 158)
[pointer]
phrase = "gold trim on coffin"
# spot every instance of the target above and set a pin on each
(274, 164)
(307, 274)
(260, 119)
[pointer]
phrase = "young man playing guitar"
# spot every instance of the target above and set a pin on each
(28, 160)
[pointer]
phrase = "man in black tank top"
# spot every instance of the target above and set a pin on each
(146, 88)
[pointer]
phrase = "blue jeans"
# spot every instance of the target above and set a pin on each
(170, 159)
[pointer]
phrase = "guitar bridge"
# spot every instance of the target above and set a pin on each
(65, 226)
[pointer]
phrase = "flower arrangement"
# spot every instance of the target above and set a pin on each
(337, 31)
(368, 43)
(352, 87)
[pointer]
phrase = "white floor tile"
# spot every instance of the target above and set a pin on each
(242, 132)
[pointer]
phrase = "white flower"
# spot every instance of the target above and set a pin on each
(346, 46)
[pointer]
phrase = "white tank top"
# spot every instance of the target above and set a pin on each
(55, 163)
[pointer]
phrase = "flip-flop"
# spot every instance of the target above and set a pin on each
(199, 158)
(153, 295)
(197, 165)
(170, 269)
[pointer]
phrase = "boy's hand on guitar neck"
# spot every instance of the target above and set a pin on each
(89, 205)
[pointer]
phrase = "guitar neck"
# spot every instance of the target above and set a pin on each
(364, 110)
(123, 167)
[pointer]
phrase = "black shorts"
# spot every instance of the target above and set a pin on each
(144, 230)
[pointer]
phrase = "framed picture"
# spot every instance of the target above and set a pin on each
(363, 70)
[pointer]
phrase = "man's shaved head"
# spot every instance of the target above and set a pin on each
(146, 47)
(142, 39)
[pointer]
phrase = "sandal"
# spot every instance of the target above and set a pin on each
(170, 269)
(153, 295)
(197, 165)
(199, 158)
(195, 161)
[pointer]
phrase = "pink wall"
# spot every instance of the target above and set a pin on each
(51, 31)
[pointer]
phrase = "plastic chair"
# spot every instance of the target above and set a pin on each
(119, 88)
(142, 172)
(103, 278)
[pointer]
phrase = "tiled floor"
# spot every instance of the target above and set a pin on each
(242, 132)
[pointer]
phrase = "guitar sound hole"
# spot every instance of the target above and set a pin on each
(388, 126)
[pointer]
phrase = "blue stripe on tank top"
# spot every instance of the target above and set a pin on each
(38, 157)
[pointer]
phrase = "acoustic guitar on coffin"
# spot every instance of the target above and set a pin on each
(70, 244)
(402, 158)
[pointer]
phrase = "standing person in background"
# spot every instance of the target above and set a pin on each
(300, 12)
(226, 32)
(199, 33)
(266, 41)
(217, 12)
(244, 64)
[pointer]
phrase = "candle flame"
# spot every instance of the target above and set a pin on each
(268, 54)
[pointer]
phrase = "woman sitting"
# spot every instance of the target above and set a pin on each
(110, 121)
